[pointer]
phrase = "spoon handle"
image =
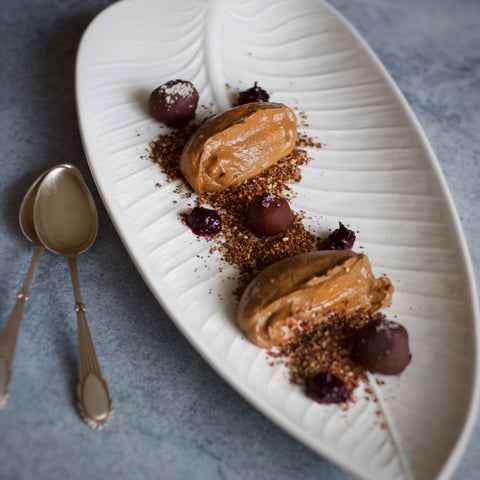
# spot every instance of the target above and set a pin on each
(93, 396)
(8, 338)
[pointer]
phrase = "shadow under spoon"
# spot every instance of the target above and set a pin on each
(66, 222)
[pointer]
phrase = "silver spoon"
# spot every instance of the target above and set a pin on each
(8, 338)
(66, 222)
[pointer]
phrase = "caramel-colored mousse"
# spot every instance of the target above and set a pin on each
(309, 286)
(237, 145)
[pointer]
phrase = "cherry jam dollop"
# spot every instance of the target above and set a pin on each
(325, 387)
(204, 221)
(340, 239)
(254, 94)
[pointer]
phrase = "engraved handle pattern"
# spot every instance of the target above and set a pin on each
(93, 396)
(8, 338)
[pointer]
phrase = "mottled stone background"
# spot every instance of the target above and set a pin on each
(175, 418)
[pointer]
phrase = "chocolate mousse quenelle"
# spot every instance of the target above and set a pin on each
(237, 145)
(306, 286)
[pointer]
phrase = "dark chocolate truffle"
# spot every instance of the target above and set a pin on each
(174, 103)
(269, 215)
(382, 347)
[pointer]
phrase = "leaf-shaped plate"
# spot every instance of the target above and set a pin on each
(376, 173)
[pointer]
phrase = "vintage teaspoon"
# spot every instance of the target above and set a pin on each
(8, 338)
(66, 222)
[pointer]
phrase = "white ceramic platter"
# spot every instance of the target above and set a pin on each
(376, 173)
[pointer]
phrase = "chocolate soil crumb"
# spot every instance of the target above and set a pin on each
(237, 244)
(167, 150)
(325, 346)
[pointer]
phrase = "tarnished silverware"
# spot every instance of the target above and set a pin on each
(66, 222)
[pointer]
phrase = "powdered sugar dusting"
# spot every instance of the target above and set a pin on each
(386, 325)
(270, 199)
(178, 89)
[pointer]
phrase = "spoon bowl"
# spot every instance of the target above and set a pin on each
(65, 216)
(25, 216)
(66, 222)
